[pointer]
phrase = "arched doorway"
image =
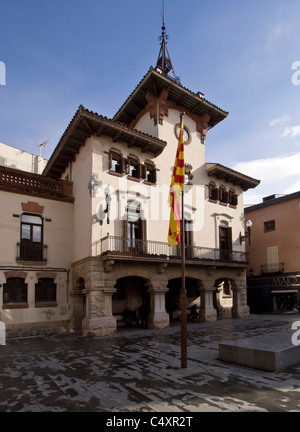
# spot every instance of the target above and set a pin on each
(79, 305)
(173, 296)
(131, 293)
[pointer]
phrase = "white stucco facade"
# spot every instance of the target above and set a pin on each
(88, 238)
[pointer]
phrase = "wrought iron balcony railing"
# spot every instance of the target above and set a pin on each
(34, 252)
(119, 246)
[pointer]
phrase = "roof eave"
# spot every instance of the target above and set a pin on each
(229, 175)
(86, 123)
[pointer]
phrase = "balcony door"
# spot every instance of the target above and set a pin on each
(135, 229)
(31, 238)
(225, 238)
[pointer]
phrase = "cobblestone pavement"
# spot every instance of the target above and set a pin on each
(140, 370)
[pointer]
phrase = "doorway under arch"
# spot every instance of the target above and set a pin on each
(131, 293)
(223, 298)
(173, 296)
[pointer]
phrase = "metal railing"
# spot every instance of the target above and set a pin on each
(113, 245)
(32, 252)
(272, 268)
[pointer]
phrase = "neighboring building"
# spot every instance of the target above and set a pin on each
(274, 277)
(88, 238)
(12, 157)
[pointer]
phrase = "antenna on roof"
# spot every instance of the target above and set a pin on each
(164, 62)
(43, 144)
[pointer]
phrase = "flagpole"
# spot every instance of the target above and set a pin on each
(183, 301)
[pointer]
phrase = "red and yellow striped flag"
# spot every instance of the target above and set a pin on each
(177, 185)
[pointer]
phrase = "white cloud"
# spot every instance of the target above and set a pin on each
(277, 33)
(291, 131)
(280, 121)
(271, 169)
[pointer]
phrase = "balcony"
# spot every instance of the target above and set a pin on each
(13, 180)
(272, 268)
(119, 247)
(32, 252)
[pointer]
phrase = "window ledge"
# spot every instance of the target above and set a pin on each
(15, 305)
(115, 173)
(45, 304)
(133, 178)
(33, 262)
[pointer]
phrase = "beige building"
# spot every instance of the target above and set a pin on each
(87, 239)
(274, 250)
(12, 157)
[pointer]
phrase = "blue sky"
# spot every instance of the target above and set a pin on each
(59, 54)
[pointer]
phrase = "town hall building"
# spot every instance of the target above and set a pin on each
(86, 239)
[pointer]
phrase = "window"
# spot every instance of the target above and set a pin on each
(45, 292)
(233, 198)
(269, 226)
(133, 167)
(149, 172)
(116, 162)
(223, 195)
(135, 229)
(213, 192)
(15, 292)
(31, 247)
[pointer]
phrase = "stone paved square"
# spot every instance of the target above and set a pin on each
(140, 371)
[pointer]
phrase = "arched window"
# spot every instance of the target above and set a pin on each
(133, 167)
(233, 198)
(213, 192)
(223, 195)
(31, 246)
(116, 162)
(149, 172)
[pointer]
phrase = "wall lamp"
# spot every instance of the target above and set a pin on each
(107, 192)
(247, 234)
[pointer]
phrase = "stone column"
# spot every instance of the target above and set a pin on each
(99, 320)
(240, 309)
(158, 317)
(207, 311)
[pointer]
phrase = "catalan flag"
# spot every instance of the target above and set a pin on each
(177, 185)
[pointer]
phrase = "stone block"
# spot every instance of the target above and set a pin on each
(266, 352)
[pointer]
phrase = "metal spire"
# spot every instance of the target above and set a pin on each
(164, 62)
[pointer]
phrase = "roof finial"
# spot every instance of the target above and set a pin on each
(164, 62)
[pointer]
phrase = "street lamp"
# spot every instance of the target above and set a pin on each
(248, 233)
